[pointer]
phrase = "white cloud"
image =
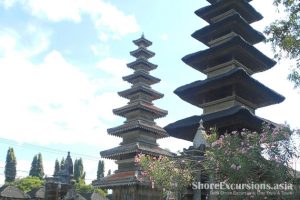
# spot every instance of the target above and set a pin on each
(114, 67)
(55, 10)
(108, 16)
(52, 102)
(7, 42)
(108, 20)
(14, 44)
(100, 49)
(164, 37)
(103, 36)
(7, 3)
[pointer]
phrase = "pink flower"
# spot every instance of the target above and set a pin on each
(214, 144)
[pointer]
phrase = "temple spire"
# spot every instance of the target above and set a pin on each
(229, 96)
(139, 132)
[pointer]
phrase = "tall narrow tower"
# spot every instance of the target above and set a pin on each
(229, 96)
(139, 132)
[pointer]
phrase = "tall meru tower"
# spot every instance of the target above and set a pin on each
(229, 96)
(139, 132)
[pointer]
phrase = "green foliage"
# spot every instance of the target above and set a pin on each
(81, 187)
(56, 167)
(79, 174)
(29, 183)
(37, 168)
(32, 171)
(10, 166)
(284, 35)
(100, 171)
(171, 174)
(62, 163)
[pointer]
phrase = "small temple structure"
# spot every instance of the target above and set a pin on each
(56, 187)
(229, 96)
(139, 132)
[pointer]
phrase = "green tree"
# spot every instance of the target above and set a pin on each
(28, 183)
(37, 168)
(62, 163)
(79, 174)
(56, 167)
(10, 170)
(100, 171)
(284, 36)
(40, 166)
(82, 188)
(33, 168)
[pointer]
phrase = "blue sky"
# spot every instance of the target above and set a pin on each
(61, 63)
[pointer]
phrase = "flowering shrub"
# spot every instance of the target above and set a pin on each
(250, 157)
(238, 157)
(168, 173)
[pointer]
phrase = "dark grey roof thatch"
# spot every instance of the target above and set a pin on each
(242, 7)
(235, 47)
(136, 147)
(232, 119)
(73, 195)
(38, 193)
(9, 191)
(234, 23)
(142, 63)
(247, 88)
(215, 1)
(142, 41)
(142, 51)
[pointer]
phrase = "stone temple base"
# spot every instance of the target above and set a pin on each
(136, 192)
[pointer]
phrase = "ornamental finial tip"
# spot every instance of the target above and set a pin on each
(201, 124)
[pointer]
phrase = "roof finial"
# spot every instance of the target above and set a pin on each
(143, 35)
(201, 125)
(200, 136)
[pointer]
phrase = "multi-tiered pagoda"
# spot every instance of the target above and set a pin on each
(229, 96)
(139, 132)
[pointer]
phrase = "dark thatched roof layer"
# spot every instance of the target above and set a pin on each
(215, 1)
(236, 48)
(137, 147)
(235, 118)
(142, 52)
(242, 7)
(142, 63)
(234, 23)
(8, 191)
(245, 86)
(142, 41)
